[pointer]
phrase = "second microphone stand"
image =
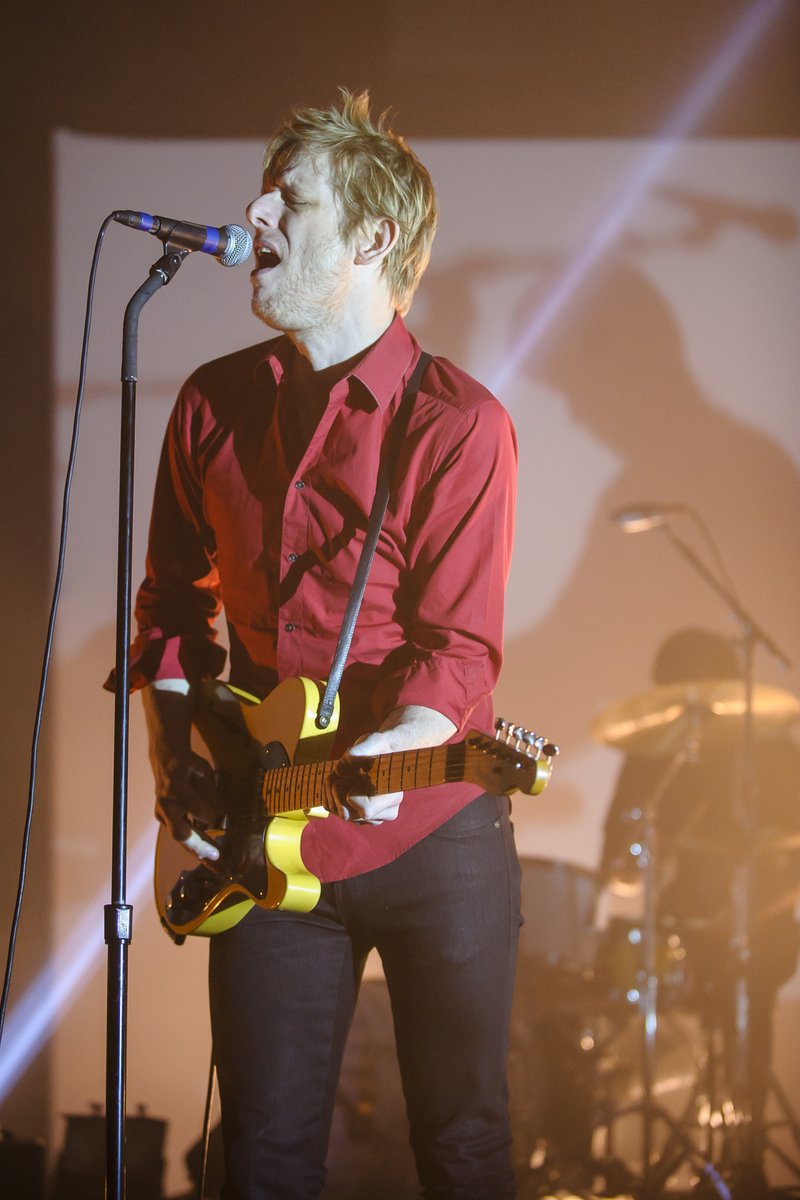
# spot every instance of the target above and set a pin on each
(747, 1175)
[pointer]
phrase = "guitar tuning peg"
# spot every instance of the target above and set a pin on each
(536, 743)
(550, 750)
(529, 738)
(500, 727)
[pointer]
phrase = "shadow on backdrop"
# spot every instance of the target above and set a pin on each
(618, 360)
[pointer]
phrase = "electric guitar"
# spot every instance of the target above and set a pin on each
(272, 762)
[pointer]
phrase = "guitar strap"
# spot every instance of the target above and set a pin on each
(386, 474)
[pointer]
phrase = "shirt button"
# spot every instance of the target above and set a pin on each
(299, 484)
(293, 557)
(289, 627)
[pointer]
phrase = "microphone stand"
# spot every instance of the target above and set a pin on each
(118, 915)
(747, 1162)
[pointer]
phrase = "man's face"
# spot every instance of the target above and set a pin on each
(303, 266)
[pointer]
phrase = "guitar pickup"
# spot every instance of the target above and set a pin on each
(193, 890)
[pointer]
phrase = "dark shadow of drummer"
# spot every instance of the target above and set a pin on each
(617, 357)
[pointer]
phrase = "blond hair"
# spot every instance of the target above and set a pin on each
(374, 175)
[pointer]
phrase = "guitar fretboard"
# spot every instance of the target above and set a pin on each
(289, 789)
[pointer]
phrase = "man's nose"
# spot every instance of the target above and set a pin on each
(264, 210)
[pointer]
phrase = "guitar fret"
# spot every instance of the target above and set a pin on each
(407, 769)
(304, 788)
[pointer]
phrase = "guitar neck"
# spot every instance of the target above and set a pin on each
(289, 789)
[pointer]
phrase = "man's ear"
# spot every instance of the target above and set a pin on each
(376, 242)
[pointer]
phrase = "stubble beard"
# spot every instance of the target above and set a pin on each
(311, 294)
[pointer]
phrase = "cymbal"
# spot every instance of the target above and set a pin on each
(658, 721)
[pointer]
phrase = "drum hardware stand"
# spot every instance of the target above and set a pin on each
(655, 1174)
(789, 1121)
(648, 999)
(711, 1157)
(747, 1174)
(747, 1179)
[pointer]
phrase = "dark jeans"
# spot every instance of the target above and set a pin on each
(445, 919)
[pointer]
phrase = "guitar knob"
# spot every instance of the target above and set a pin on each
(550, 750)
(500, 726)
(518, 733)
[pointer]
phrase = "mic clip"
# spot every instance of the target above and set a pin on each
(169, 263)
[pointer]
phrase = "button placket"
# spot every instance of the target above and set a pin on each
(297, 517)
(295, 532)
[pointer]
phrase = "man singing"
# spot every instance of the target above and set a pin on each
(264, 489)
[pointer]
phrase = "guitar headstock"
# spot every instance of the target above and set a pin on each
(515, 759)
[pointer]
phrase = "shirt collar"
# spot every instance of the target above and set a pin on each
(381, 371)
(383, 367)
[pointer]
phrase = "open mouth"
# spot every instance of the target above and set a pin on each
(266, 258)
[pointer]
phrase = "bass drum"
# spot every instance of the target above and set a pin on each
(558, 907)
(551, 1075)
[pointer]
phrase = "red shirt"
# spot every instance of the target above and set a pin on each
(245, 514)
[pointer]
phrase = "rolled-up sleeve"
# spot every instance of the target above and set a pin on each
(458, 553)
(179, 601)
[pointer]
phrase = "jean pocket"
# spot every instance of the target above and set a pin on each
(481, 814)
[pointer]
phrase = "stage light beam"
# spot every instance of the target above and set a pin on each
(60, 982)
(704, 93)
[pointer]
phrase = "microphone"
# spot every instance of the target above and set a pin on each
(636, 518)
(230, 245)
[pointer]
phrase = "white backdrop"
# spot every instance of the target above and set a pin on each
(672, 376)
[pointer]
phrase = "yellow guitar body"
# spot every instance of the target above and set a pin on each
(272, 765)
(235, 727)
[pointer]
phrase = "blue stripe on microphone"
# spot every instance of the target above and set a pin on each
(211, 244)
(146, 222)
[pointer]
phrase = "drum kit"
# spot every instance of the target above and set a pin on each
(641, 1040)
